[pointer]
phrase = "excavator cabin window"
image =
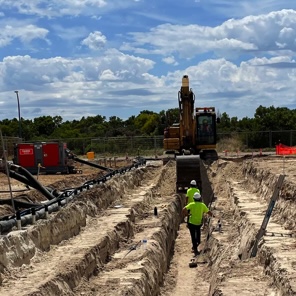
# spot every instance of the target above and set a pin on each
(205, 129)
(205, 125)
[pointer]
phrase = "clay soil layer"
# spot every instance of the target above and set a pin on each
(94, 245)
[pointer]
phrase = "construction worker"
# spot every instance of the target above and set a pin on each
(197, 209)
(190, 192)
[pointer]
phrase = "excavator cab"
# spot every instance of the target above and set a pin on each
(206, 132)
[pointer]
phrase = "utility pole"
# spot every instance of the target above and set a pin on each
(19, 113)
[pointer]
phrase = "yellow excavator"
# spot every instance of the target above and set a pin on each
(193, 138)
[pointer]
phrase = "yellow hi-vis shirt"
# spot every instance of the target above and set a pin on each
(190, 192)
(197, 209)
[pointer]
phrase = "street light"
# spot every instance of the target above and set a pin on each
(19, 113)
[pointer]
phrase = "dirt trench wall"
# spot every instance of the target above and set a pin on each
(145, 269)
(263, 184)
(245, 192)
(18, 247)
(226, 254)
(156, 261)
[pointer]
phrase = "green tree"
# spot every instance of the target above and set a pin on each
(44, 126)
(147, 122)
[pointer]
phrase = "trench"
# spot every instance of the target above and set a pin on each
(94, 246)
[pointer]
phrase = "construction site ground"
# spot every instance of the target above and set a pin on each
(94, 244)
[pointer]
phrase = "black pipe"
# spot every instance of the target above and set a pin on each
(24, 180)
(92, 164)
(71, 155)
(18, 204)
(26, 216)
(19, 177)
(32, 181)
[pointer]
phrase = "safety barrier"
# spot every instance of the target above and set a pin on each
(282, 149)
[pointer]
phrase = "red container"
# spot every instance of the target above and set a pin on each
(26, 157)
(45, 157)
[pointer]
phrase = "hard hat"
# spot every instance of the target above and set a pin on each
(196, 196)
(193, 183)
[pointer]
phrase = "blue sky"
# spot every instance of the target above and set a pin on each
(77, 58)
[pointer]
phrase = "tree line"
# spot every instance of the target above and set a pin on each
(146, 123)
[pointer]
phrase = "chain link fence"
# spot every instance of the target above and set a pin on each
(145, 145)
(8, 145)
(123, 146)
(260, 139)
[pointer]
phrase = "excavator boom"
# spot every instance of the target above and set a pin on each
(195, 134)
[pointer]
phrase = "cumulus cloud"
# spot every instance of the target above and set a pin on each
(70, 85)
(112, 81)
(95, 40)
(15, 69)
(272, 32)
(122, 83)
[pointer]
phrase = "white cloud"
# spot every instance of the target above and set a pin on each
(22, 31)
(54, 8)
(108, 75)
(116, 82)
(170, 60)
(238, 9)
(62, 80)
(85, 84)
(95, 40)
(271, 32)
(69, 33)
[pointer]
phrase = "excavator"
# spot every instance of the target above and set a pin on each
(193, 138)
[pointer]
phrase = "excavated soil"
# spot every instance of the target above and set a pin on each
(93, 245)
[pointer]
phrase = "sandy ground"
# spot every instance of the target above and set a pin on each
(99, 252)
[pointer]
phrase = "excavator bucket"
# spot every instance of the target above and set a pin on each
(187, 169)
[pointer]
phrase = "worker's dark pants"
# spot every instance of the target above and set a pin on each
(195, 235)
